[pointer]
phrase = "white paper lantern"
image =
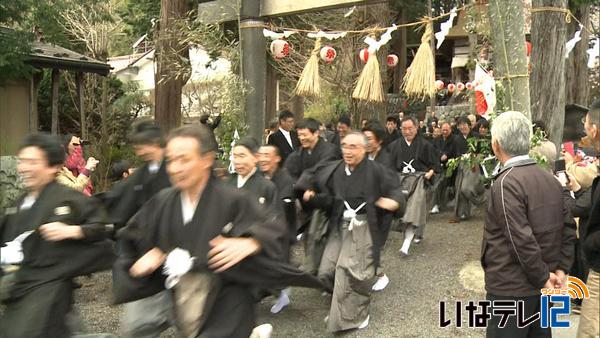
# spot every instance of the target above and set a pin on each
(364, 55)
(280, 49)
(469, 86)
(328, 54)
(439, 84)
(460, 86)
(451, 88)
(392, 60)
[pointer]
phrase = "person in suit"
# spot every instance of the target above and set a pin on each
(285, 138)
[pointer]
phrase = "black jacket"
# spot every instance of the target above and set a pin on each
(591, 235)
(277, 139)
(300, 160)
(528, 231)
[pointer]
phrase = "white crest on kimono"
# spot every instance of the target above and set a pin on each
(445, 28)
(61, 211)
(177, 264)
(261, 200)
(12, 252)
(227, 228)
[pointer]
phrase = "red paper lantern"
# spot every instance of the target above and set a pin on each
(280, 49)
(328, 54)
(451, 88)
(460, 86)
(469, 86)
(439, 84)
(392, 60)
(363, 54)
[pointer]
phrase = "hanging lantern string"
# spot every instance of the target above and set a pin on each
(568, 16)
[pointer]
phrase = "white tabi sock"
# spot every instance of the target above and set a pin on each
(409, 234)
(282, 302)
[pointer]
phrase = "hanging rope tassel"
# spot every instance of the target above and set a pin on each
(420, 80)
(368, 86)
(309, 82)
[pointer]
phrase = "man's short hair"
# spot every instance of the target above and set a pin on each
(117, 170)
(285, 114)
(345, 120)
(376, 129)
(51, 145)
(308, 123)
(464, 119)
(391, 118)
(146, 132)
(248, 143)
(270, 146)
(202, 134)
(357, 133)
(410, 118)
(512, 131)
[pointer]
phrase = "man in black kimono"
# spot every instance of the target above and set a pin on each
(313, 149)
(416, 161)
(391, 130)
(447, 150)
(124, 200)
(224, 240)
(247, 176)
(149, 316)
(358, 195)
(344, 126)
(285, 139)
(51, 235)
(375, 135)
(269, 162)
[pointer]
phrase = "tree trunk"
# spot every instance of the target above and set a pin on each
(548, 38)
(507, 26)
(171, 73)
(577, 84)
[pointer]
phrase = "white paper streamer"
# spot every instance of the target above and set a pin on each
(374, 45)
(445, 28)
(571, 43)
(274, 35)
(236, 137)
(350, 12)
(177, 264)
(593, 53)
(328, 36)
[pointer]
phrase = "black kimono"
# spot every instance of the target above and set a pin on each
(383, 157)
(221, 210)
(42, 293)
(262, 189)
(285, 192)
(421, 152)
(125, 199)
(302, 159)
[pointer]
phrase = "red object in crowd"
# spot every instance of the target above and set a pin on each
(363, 54)
(528, 45)
(480, 103)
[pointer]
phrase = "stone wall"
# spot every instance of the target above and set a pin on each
(10, 186)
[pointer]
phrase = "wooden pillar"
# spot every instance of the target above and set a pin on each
(298, 107)
(254, 65)
(400, 48)
(55, 83)
(272, 94)
(80, 106)
(34, 119)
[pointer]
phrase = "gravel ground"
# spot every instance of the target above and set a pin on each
(443, 267)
